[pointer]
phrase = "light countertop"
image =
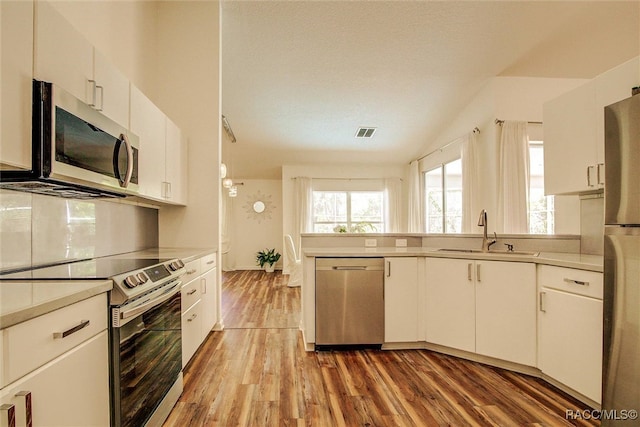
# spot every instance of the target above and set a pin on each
(21, 300)
(185, 254)
(569, 260)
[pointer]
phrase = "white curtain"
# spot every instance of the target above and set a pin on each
(470, 183)
(513, 178)
(303, 221)
(392, 195)
(416, 219)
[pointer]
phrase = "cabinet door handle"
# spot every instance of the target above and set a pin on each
(192, 318)
(577, 282)
(93, 93)
(478, 278)
(600, 173)
(210, 262)
(204, 285)
(589, 168)
(541, 304)
(8, 415)
(469, 267)
(192, 291)
(83, 324)
(101, 98)
(28, 412)
(388, 268)
(191, 271)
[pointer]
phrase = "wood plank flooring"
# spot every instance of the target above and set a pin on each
(256, 373)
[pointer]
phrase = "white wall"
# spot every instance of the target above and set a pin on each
(507, 98)
(188, 87)
(249, 231)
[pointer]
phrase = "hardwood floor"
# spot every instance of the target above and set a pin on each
(256, 373)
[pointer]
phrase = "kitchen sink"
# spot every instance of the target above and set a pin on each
(496, 252)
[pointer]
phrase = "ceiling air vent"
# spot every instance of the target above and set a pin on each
(365, 132)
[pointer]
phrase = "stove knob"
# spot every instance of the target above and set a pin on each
(131, 281)
(142, 278)
(180, 263)
(171, 266)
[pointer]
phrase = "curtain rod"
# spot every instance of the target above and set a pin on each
(500, 122)
(349, 179)
(475, 130)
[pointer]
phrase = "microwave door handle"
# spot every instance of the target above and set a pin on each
(124, 182)
(127, 144)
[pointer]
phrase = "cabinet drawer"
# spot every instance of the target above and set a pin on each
(31, 344)
(191, 271)
(581, 282)
(208, 262)
(190, 294)
(191, 332)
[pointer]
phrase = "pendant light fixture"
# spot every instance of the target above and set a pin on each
(228, 182)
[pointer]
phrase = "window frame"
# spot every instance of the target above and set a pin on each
(549, 212)
(349, 219)
(443, 192)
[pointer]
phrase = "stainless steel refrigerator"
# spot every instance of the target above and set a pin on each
(621, 358)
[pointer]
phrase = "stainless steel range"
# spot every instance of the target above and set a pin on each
(145, 332)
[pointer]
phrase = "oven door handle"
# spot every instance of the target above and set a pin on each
(125, 314)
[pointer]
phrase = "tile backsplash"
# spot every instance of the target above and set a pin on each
(36, 229)
(592, 224)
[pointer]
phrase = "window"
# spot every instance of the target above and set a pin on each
(443, 191)
(348, 211)
(541, 207)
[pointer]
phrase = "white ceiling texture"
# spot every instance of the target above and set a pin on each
(299, 77)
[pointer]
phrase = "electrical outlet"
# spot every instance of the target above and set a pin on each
(401, 243)
(370, 243)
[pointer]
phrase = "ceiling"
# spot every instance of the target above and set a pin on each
(299, 77)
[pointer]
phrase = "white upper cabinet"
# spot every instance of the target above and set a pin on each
(148, 122)
(574, 131)
(16, 26)
(570, 141)
(112, 90)
(175, 187)
(162, 161)
(64, 57)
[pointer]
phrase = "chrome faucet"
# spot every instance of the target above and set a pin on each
(486, 242)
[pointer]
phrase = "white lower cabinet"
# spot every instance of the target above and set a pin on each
(506, 311)
(485, 307)
(191, 332)
(71, 390)
(209, 301)
(570, 329)
(401, 300)
(450, 303)
(199, 303)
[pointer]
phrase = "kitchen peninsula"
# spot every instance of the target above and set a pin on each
(499, 307)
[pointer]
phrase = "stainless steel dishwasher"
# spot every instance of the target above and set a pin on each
(349, 302)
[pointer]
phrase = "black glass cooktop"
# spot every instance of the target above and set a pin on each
(98, 268)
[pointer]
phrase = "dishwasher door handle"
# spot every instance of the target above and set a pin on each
(349, 267)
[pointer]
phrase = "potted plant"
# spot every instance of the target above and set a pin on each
(267, 258)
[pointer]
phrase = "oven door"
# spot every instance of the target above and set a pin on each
(146, 351)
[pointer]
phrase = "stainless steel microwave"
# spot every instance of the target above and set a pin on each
(77, 151)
